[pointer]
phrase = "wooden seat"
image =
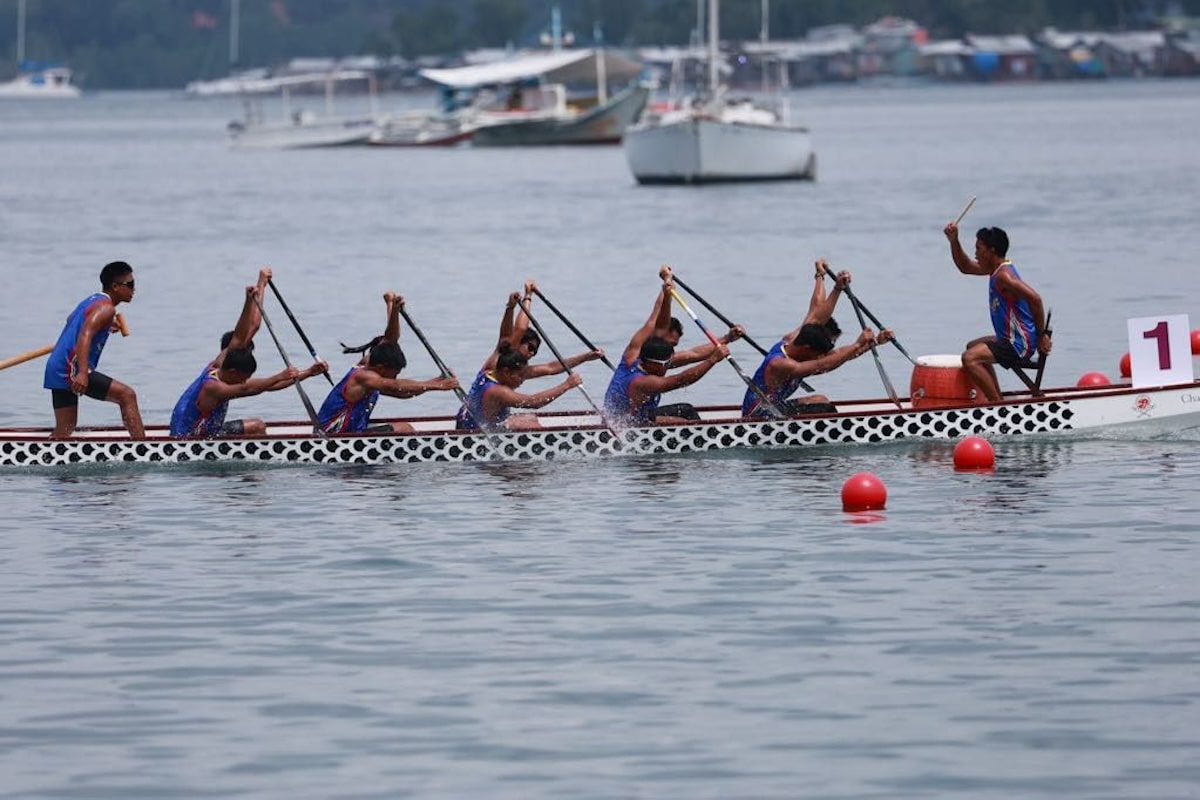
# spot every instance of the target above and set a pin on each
(1036, 365)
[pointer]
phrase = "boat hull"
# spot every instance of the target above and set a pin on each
(605, 124)
(330, 133)
(1149, 412)
(704, 150)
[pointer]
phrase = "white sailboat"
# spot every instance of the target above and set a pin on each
(718, 139)
(37, 79)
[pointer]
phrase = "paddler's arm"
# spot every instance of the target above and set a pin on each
(648, 385)
(522, 323)
(556, 366)
(657, 323)
(821, 308)
(831, 360)
(510, 398)
(506, 329)
(250, 319)
(405, 388)
(966, 265)
(394, 303)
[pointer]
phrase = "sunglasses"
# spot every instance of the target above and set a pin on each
(664, 362)
(129, 283)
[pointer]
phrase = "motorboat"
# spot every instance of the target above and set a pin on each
(41, 81)
(301, 127)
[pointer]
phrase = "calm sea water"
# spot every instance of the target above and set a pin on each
(641, 627)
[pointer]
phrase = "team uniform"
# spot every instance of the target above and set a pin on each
(187, 420)
(617, 401)
(1012, 320)
(471, 415)
(752, 404)
(339, 415)
(61, 366)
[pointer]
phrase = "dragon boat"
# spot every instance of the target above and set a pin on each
(1144, 411)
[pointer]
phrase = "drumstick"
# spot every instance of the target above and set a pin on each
(970, 203)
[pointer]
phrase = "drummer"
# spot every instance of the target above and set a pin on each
(1018, 317)
(808, 349)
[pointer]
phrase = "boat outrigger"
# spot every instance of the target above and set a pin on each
(1095, 411)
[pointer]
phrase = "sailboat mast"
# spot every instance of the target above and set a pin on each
(20, 33)
(235, 16)
(713, 35)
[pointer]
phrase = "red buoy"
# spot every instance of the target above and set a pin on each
(1196, 342)
(974, 453)
(863, 492)
(1127, 371)
(1093, 379)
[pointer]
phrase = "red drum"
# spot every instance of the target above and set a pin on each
(939, 381)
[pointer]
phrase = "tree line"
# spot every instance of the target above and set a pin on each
(166, 43)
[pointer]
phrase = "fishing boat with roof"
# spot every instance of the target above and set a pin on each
(584, 96)
(301, 127)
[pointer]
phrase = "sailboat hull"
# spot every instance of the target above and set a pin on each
(701, 149)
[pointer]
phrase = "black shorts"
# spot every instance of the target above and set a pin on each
(98, 386)
(794, 408)
(1003, 352)
(680, 410)
(232, 427)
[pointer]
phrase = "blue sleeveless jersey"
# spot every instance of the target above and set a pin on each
(751, 403)
(470, 415)
(187, 420)
(61, 365)
(339, 415)
(617, 403)
(1012, 320)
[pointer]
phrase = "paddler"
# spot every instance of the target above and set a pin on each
(71, 369)
(641, 379)
(348, 407)
(808, 349)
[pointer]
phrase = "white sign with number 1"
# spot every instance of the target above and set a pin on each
(1160, 350)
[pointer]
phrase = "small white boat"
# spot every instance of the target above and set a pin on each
(718, 139)
(38, 81)
(302, 127)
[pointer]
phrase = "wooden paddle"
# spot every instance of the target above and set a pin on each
(768, 404)
(299, 330)
(446, 373)
(803, 383)
(12, 361)
(586, 342)
(308, 406)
